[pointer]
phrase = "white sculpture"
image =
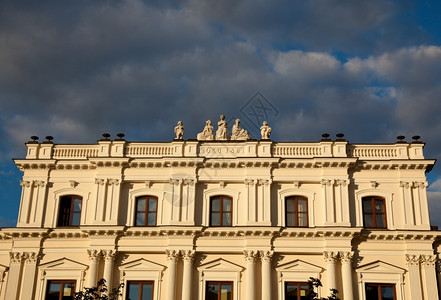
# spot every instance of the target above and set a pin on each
(222, 129)
(265, 131)
(238, 133)
(179, 131)
(207, 134)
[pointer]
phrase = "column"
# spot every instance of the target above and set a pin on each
(250, 257)
(328, 201)
(187, 281)
(413, 265)
(25, 203)
(101, 192)
(30, 269)
(94, 257)
(266, 257)
(172, 257)
(112, 203)
(109, 258)
(188, 201)
(13, 283)
(331, 261)
(251, 201)
(428, 268)
(346, 270)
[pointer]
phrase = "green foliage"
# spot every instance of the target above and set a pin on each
(314, 284)
(99, 292)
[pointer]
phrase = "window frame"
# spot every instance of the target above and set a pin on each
(219, 283)
(379, 286)
(298, 283)
(140, 282)
(296, 212)
(63, 282)
(374, 214)
(221, 211)
(146, 211)
(72, 211)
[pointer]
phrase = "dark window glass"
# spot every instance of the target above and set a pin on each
(140, 290)
(296, 290)
(380, 291)
(69, 213)
(219, 290)
(296, 211)
(146, 211)
(60, 290)
(221, 211)
(374, 212)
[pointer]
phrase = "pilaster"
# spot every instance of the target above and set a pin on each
(172, 257)
(346, 268)
(331, 259)
(94, 258)
(188, 257)
(250, 256)
(30, 268)
(266, 257)
(14, 278)
(413, 265)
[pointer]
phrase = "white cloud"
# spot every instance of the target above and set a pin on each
(305, 66)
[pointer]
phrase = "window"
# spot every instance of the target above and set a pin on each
(374, 212)
(146, 209)
(296, 290)
(70, 211)
(60, 290)
(296, 210)
(220, 211)
(219, 290)
(139, 290)
(380, 291)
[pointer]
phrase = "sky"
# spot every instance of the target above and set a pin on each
(76, 69)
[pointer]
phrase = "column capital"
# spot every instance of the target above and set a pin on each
(404, 184)
(31, 257)
(94, 254)
(326, 182)
(16, 257)
(413, 260)
(188, 255)
(172, 255)
(25, 183)
(331, 256)
(428, 260)
(249, 181)
(346, 257)
(109, 254)
(266, 255)
(250, 255)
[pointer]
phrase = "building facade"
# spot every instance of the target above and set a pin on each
(235, 219)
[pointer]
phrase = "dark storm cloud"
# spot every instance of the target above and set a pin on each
(77, 69)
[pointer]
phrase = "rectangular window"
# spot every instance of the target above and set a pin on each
(296, 290)
(374, 212)
(139, 290)
(296, 212)
(60, 290)
(380, 291)
(221, 211)
(69, 213)
(146, 209)
(219, 290)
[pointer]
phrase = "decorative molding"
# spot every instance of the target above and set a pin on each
(428, 260)
(24, 183)
(404, 184)
(94, 254)
(113, 181)
(297, 184)
(109, 255)
(374, 184)
(100, 181)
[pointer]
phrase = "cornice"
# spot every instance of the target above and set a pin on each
(345, 233)
(400, 235)
(27, 233)
(393, 165)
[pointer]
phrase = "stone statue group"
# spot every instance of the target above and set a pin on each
(222, 134)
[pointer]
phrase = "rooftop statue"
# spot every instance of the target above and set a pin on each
(179, 131)
(222, 129)
(207, 134)
(238, 133)
(265, 131)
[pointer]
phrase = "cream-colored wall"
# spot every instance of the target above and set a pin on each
(258, 176)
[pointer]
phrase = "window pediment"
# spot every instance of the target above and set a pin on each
(63, 264)
(220, 265)
(141, 265)
(380, 267)
(299, 266)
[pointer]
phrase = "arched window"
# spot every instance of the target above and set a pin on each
(69, 213)
(221, 211)
(374, 212)
(296, 211)
(146, 211)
